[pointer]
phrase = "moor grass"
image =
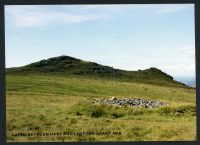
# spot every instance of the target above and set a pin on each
(38, 103)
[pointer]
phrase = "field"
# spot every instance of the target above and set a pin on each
(52, 103)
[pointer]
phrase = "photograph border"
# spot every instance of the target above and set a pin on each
(70, 2)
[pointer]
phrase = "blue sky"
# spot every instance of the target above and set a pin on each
(129, 37)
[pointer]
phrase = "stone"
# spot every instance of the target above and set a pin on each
(113, 98)
(134, 102)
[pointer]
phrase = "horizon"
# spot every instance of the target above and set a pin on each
(49, 31)
(190, 81)
(79, 59)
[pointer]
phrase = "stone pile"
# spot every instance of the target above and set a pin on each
(134, 102)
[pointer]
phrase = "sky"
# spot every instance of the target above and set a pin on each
(128, 37)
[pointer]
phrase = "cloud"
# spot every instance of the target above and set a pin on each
(26, 16)
(180, 70)
(188, 50)
(169, 8)
(188, 67)
(159, 8)
(29, 16)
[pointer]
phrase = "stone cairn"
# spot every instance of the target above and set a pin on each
(134, 102)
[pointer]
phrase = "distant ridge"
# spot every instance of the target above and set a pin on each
(67, 65)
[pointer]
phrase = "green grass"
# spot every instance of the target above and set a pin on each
(46, 103)
(66, 66)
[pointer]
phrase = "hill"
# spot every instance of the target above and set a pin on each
(57, 95)
(66, 65)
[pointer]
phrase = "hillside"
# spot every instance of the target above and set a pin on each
(66, 65)
(51, 103)
(61, 94)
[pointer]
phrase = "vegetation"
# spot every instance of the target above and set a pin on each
(59, 102)
(66, 65)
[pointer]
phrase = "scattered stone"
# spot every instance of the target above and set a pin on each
(134, 102)
(113, 98)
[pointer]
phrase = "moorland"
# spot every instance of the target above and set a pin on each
(56, 94)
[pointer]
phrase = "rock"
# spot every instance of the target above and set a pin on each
(113, 98)
(132, 102)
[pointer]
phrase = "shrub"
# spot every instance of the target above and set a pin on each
(179, 111)
(97, 111)
(117, 115)
(73, 121)
(85, 108)
(136, 112)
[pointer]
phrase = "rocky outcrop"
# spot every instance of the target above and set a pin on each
(134, 102)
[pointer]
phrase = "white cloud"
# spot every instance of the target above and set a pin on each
(161, 8)
(190, 67)
(180, 70)
(28, 16)
(185, 48)
(186, 51)
(185, 68)
(169, 8)
(175, 63)
(36, 16)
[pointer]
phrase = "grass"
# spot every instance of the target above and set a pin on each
(66, 65)
(54, 103)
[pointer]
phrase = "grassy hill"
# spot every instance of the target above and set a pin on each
(55, 95)
(66, 65)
